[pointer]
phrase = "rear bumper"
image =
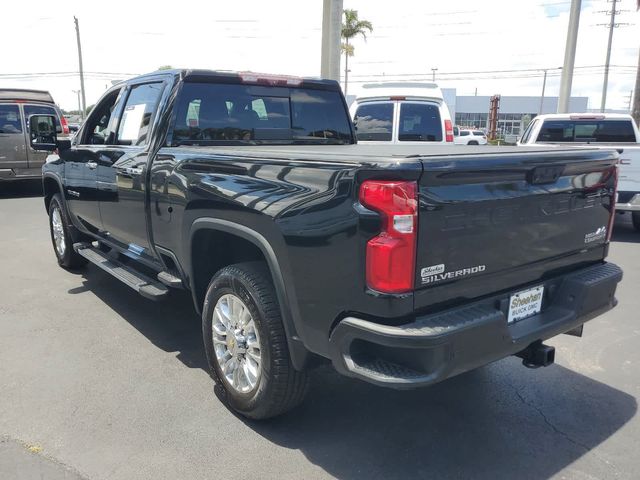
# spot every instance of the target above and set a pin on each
(444, 344)
(628, 202)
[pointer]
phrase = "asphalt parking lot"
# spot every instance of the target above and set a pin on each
(98, 383)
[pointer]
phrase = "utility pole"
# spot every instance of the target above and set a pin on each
(331, 35)
(433, 74)
(605, 83)
(544, 86)
(84, 100)
(635, 109)
(569, 57)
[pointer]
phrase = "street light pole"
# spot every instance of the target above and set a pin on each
(569, 56)
(84, 101)
(77, 92)
(433, 74)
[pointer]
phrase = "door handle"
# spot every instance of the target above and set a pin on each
(92, 165)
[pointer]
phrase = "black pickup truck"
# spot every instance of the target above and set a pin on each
(403, 266)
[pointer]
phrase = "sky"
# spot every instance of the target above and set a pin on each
(461, 38)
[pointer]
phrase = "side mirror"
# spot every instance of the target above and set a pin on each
(42, 132)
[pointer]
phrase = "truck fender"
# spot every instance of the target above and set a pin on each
(55, 178)
(299, 354)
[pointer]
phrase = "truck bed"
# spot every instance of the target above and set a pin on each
(357, 153)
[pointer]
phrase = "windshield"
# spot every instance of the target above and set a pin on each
(587, 131)
(210, 114)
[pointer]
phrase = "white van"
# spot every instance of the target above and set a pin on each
(402, 113)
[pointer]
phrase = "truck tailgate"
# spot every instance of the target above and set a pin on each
(490, 222)
(629, 176)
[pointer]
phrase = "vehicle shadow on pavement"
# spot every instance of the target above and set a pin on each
(172, 326)
(623, 230)
(501, 421)
(21, 188)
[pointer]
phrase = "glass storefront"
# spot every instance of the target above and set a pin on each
(508, 123)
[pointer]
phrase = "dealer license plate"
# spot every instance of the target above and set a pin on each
(525, 304)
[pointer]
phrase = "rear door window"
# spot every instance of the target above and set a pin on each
(597, 131)
(419, 122)
(374, 121)
(478, 133)
(138, 111)
(464, 133)
(10, 121)
(42, 110)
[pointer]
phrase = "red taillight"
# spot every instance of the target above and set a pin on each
(390, 264)
(448, 131)
(614, 199)
(65, 125)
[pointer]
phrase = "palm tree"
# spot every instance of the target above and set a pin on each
(352, 27)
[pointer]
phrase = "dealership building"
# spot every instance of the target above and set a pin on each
(514, 112)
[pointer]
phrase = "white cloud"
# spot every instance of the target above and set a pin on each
(283, 36)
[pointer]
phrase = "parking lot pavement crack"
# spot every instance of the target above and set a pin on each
(32, 462)
(563, 434)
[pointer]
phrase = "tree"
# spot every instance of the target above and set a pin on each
(165, 67)
(351, 28)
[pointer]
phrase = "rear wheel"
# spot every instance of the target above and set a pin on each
(60, 228)
(472, 142)
(635, 218)
(246, 345)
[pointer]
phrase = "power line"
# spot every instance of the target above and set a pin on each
(518, 70)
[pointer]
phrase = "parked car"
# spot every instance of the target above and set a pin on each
(402, 113)
(403, 266)
(17, 160)
(465, 136)
(604, 130)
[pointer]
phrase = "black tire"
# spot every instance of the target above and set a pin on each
(472, 142)
(67, 258)
(635, 218)
(279, 387)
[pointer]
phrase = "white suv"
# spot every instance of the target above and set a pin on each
(469, 137)
(405, 113)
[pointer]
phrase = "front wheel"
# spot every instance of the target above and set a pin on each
(60, 228)
(635, 218)
(246, 345)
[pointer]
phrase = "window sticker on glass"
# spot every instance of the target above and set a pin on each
(131, 121)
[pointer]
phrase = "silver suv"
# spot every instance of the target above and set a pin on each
(17, 159)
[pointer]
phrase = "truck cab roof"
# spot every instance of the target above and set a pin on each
(267, 79)
(585, 116)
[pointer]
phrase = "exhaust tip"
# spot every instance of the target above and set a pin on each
(537, 355)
